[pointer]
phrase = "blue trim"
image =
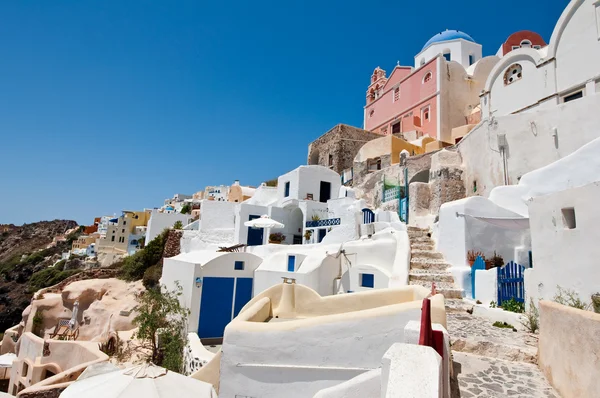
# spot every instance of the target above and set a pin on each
(291, 263)
(287, 189)
(238, 266)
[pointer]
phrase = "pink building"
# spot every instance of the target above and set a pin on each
(436, 95)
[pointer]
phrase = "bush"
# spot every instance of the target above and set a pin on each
(513, 305)
(271, 183)
(38, 324)
(60, 265)
(152, 276)
(186, 209)
(503, 325)
(135, 266)
(570, 298)
(532, 318)
(178, 225)
(49, 277)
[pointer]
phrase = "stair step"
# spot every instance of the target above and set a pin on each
(417, 253)
(422, 246)
(421, 239)
(427, 276)
(445, 288)
(431, 264)
(413, 228)
(457, 305)
(416, 234)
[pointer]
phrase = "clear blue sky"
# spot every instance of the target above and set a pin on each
(111, 105)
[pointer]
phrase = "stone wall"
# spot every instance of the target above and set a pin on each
(173, 243)
(342, 142)
(445, 179)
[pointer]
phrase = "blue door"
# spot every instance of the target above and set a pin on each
(291, 263)
(215, 307)
(243, 294)
(255, 235)
(322, 233)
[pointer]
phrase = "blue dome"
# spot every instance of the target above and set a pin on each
(448, 35)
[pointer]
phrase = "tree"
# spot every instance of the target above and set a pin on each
(178, 225)
(135, 266)
(186, 209)
(161, 318)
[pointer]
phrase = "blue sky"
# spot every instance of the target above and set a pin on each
(111, 105)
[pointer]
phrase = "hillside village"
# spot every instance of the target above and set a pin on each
(445, 249)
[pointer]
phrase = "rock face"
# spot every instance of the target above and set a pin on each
(23, 251)
(100, 300)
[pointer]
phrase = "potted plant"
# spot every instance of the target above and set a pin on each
(307, 234)
(472, 256)
(315, 217)
(497, 261)
(276, 238)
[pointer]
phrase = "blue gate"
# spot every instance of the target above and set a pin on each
(368, 216)
(478, 264)
(511, 283)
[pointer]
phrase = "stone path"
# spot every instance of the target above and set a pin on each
(494, 362)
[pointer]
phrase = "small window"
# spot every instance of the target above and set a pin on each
(25, 369)
(367, 280)
(471, 59)
(515, 47)
(448, 56)
(374, 164)
(537, 47)
(568, 215)
(330, 161)
(427, 77)
(238, 266)
(371, 113)
(512, 74)
(113, 238)
(287, 189)
(396, 128)
(425, 114)
(396, 94)
(526, 44)
(573, 97)
(124, 222)
(291, 264)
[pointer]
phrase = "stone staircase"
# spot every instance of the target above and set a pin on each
(428, 265)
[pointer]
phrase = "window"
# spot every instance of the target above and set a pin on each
(396, 94)
(124, 222)
(515, 47)
(287, 189)
(238, 266)
(371, 113)
(425, 114)
(427, 77)
(448, 56)
(471, 59)
(367, 280)
(330, 160)
(113, 238)
(537, 47)
(568, 215)
(512, 74)
(123, 231)
(374, 164)
(25, 369)
(396, 128)
(526, 44)
(573, 96)
(291, 263)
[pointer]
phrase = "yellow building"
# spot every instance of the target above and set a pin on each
(122, 231)
(84, 241)
(238, 193)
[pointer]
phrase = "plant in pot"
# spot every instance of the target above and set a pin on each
(276, 237)
(472, 256)
(307, 234)
(315, 217)
(497, 261)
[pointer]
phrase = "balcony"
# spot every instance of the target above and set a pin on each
(330, 222)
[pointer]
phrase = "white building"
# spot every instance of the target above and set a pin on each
(216, 286)
(565, 70)
(160, 221)
(454, 45)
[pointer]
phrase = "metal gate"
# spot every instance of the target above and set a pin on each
(368, 216)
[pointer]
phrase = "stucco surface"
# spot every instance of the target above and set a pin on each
(569, 349)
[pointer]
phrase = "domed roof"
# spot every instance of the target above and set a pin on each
(448, 35)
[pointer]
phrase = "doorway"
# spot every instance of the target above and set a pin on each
(255, 235)
(325, 192)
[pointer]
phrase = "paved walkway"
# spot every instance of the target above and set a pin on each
(494, 362)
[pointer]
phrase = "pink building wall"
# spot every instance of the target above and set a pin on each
(415, 94)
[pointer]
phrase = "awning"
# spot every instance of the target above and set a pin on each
(503, 222)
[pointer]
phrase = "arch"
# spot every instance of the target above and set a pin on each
(314, 157)
(512, 74)
(296, 226)
(368, 216)
(421, 176)
(525, 43)
(427, 77)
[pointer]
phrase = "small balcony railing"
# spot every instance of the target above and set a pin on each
(330, 222)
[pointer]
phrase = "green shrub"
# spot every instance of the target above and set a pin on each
(503, 325)
(49, 277)
(532, 318)
(60, 265)
(186, 209)
(570, 298)
(513, 305)
(135, 266)
(38, 324)
(152, 276)
(271, 183)
(178, 225)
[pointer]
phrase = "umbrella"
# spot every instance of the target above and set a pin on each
(73, 320)
(264, 222)
(147, 380)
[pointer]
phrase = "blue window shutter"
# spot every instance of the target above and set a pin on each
(287, 189)
(291, 263)
(239, 266)
(367, 280)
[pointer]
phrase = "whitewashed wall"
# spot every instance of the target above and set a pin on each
(217, 215)
(459, 51)
(561, 256)
(305, 180)
(159, 221)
